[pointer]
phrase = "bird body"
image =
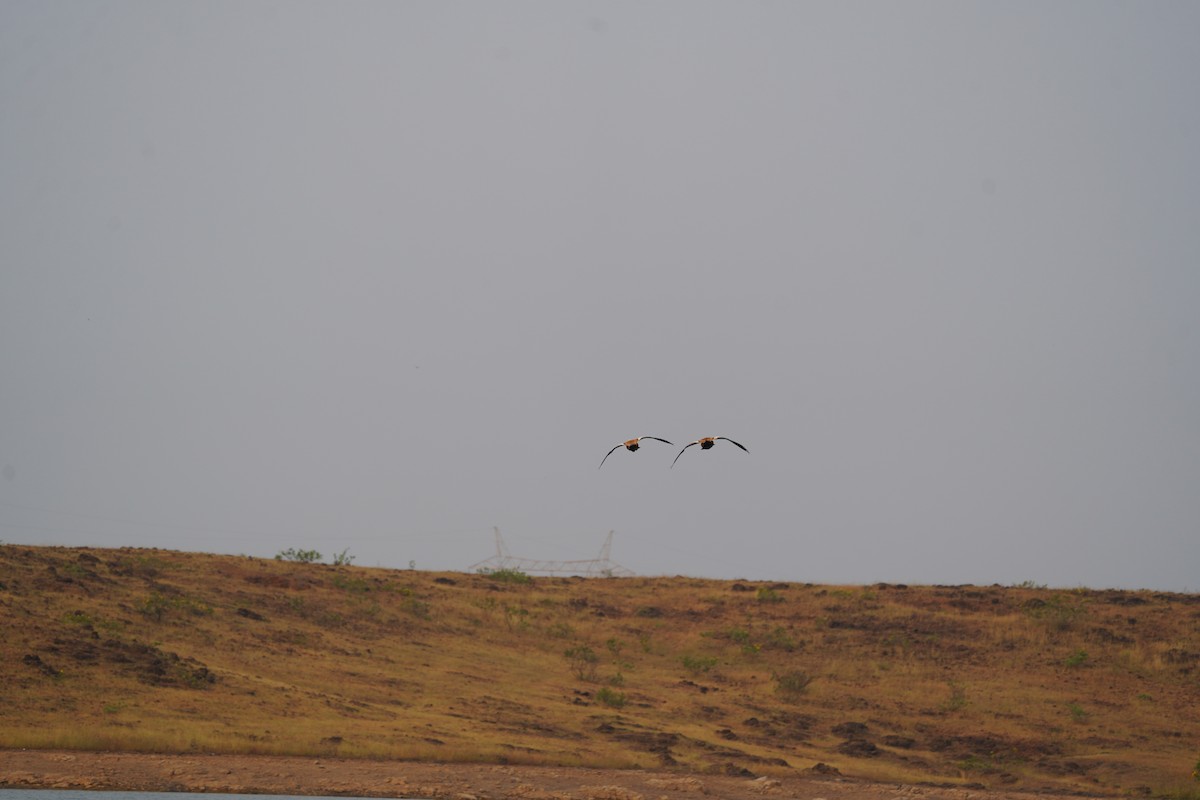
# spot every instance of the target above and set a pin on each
(631, 445)
(707, 443)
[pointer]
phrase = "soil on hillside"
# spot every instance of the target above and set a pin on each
(30, 769)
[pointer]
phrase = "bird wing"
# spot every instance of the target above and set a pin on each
(726, 438)
(655, 438)
(685, 447)
(610, 452)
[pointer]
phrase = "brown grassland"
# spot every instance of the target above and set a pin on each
(1015, 688)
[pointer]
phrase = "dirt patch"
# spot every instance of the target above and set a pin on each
(654, 742)
(148, 664)
(27, 769)
(777, 726)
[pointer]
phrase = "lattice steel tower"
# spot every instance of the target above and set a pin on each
(600, 567)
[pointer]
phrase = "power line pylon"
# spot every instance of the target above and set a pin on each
(600, 567)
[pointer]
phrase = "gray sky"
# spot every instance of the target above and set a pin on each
(381, 276)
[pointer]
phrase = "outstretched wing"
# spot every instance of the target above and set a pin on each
(726, 438)
(610, 452)
(655, 438)
(685, 447)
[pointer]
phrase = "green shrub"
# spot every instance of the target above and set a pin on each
(141, 566)
(560, 630)
(507, 575)
(610, 698)
(792, 683)
(1058, 613)
(698, 664)
(330, 619)
(957, 699)
(353, 585)
(418, 608)
(156, 606)
(752, 643)
(739, 636)
(1077, 658)
(77, 618)
(303, 556)
(766, 594)
(780, 639)
(583, 660)
(516, 617)
(976, 763)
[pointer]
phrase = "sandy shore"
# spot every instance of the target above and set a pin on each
(327, 776)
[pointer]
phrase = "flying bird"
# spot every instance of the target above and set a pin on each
(706, 444)
(632, 445)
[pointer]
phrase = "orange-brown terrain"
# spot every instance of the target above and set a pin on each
(111, 653)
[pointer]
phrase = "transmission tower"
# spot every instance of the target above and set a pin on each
(600, 567)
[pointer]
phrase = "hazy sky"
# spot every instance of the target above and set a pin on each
(384, 275)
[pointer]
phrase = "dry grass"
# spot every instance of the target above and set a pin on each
(1011, 687)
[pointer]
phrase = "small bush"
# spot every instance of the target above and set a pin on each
(352, 585)
(507, 575)
(342, 559)
(560, 630)
(141, 566)
(1058, 613)
(698, 664)
(792, 683)
(330, 619)
(780, 639)
(156, 606)
(516, 617)
(303, 556)
(77, 618)
(583, 660)
(752, 643)
(976, 763)
(766, 594)
(1077, 658)
(610, 698)
(957, 699)
(418, 608)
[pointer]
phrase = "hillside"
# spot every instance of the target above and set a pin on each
(1000, 687)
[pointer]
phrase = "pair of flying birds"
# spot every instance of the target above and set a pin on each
(633, 444)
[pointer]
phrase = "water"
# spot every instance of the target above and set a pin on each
(72, 794)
